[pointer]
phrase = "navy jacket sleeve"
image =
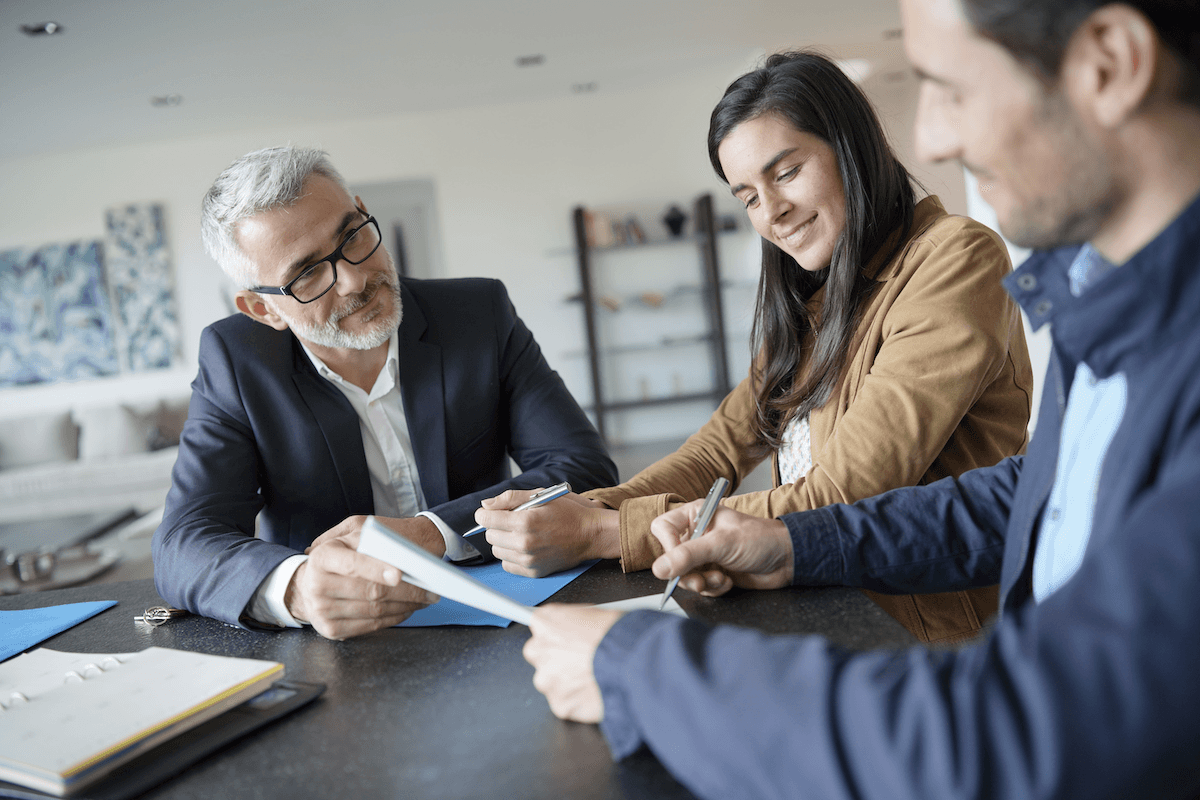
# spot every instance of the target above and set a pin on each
(206, 558)
(536, 421)
(1091, 693)
(944, 536)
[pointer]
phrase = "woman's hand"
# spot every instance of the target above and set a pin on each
(549, 538)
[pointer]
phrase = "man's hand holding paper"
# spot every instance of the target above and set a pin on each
(344, 593)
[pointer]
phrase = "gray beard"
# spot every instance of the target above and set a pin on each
(330, 335)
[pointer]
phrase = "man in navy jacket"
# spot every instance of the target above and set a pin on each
(342, 391)
(1081, 120)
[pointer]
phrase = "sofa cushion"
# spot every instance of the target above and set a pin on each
(168, 423)
(38, 439)
(113, 431)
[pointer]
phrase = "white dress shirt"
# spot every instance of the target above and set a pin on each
(395, 484)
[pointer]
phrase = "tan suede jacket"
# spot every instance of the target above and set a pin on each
(939, 383)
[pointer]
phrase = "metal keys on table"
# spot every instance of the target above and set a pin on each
(157, 615)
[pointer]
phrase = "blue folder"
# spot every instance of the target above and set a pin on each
(529, 591)
(22, 629)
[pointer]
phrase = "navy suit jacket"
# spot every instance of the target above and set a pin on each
(265, 432)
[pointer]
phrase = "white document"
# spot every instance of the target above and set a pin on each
(648, 603)
(421, 568)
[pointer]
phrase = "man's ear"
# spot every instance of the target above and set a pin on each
(251, 304)
(1112, 59)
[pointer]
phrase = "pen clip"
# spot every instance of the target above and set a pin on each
(538, 495)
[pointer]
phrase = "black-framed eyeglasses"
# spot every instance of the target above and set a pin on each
(319, 277)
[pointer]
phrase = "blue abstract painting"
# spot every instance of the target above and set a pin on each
(90, 309)
(140, 280)
(56, 320)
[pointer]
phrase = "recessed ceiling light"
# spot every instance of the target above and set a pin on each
(535, 60)
(164, 100)
(584, 88)
(42, 29)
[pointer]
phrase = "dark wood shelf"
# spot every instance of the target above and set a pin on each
(645, 347)
(649, 244)
(709, 290)
(625, 405)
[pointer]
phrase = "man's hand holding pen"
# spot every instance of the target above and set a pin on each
(736, 550)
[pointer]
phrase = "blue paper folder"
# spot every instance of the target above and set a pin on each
(21, 630)
(529, 591)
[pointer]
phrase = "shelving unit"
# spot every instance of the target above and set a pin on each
(710, 306)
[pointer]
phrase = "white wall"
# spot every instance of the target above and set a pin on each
(894, 94)
(1039, 343)
(506, 178)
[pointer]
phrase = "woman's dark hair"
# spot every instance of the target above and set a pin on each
(1036, 32)
(813, 94)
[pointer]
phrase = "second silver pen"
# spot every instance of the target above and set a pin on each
(711, 501)
(538, 499)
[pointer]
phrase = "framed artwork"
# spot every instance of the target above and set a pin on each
(90, 309)
(141, 283)
(55, 316)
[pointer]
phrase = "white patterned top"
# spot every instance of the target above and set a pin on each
(795, 454)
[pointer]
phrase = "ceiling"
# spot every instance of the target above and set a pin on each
(238, 64)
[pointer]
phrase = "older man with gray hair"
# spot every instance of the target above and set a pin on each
(343, 390)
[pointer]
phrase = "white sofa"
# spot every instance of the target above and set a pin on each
(93, 459)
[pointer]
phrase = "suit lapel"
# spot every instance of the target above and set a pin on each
(422, 390)
(339, 425)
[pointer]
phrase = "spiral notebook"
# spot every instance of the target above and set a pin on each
(69, 719)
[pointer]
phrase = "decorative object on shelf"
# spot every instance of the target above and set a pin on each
(604, 231)
(652, 299)
(634, 230)
(599, 229)
(708, 293)
(674, 219)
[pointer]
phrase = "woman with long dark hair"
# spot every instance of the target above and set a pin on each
(886, 352)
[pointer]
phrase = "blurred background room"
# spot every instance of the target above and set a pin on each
(541, 142)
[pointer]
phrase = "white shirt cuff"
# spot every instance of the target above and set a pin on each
(268, 606)
(457, 548)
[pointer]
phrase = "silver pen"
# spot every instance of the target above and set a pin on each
(706, 513)
(538, 499)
